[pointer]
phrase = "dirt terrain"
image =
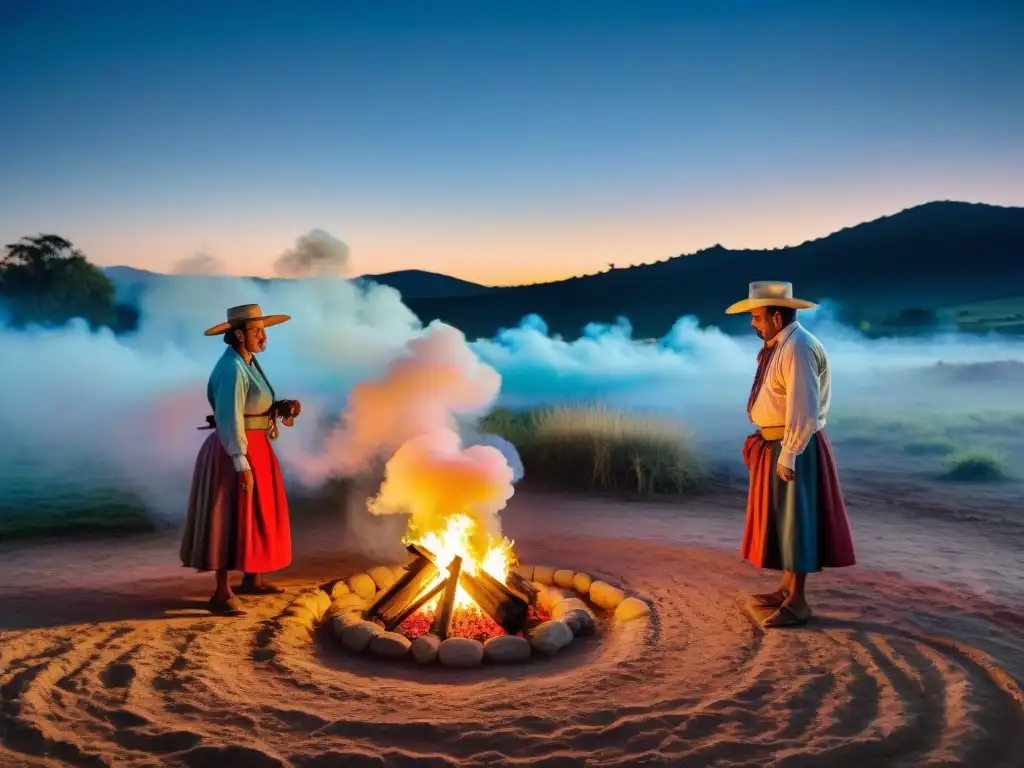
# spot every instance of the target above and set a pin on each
(915, 658)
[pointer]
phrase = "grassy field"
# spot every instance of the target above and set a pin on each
(89, 516)
(593, 448)
(590, 447)
(1005, 314)
(109, 512)
(975, 446)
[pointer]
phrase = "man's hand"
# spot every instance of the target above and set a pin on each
(245, 481)
(786, 473)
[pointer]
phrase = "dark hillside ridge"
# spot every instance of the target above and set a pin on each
(924, 257)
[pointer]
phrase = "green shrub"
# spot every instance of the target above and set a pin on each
(593, 447)
(975, 467)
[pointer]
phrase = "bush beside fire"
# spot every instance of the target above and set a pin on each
(590, 447)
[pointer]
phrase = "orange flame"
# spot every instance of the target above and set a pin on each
(456, 539)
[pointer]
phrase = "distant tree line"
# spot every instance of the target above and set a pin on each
(46, 281)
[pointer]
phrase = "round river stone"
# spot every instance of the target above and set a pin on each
(606, 596)
(563, 578)
(631, 608)
(581, 583)
(461, 652)
(356, 637)
(382, 576)
(425, 647)
(507, 649)
(390, 644)
(363, 585)
(551, 636)
(544, 574)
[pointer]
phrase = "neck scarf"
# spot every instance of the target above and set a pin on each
(764, 357)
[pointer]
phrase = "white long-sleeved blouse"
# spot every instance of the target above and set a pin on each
(796, 392)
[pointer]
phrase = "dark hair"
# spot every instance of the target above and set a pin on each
(788, 314)
(229, 335)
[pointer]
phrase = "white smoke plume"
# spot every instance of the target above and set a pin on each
(89, 416)
(409, 417)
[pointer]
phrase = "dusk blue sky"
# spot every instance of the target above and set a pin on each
(501, 142)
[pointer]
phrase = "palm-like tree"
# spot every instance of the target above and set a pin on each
(45, 279)
(39, 250)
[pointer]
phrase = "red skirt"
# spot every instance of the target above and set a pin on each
(227, 529)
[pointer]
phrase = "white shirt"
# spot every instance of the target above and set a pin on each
(796, 391)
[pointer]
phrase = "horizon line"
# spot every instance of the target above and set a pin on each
(715, 246)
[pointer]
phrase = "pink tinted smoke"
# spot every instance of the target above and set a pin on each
(438, 378)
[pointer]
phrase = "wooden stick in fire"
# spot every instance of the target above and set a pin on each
(521, 586)
(420, 573)
(505, 607)
(415, 605)
(499, 602)
(443, 617)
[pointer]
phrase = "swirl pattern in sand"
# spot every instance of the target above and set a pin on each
(869, 683)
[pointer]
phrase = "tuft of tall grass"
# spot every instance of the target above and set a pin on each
(592, 447)
(99, 516)
(975, 467)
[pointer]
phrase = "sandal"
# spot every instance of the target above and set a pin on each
(768, 599)
(229, 607)
(261, 589)
(786, 617)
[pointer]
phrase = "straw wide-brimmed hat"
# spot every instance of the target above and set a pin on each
(243, 314)
(769, 293)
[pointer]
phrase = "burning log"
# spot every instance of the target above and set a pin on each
(415, 606)
(420, 574)
(508, 609)
(443, 617)
(499, 602)
(521, 586)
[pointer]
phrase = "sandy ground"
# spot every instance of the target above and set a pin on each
(916, 657)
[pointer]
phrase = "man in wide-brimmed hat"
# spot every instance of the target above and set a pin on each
(796, 516)
(237, 510)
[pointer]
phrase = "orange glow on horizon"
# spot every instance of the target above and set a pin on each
(497, 251)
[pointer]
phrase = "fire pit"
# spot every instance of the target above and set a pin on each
(424, 610)
(450, 589)
(458, 599)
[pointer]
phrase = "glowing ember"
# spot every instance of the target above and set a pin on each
(471, 623)
(461, 538)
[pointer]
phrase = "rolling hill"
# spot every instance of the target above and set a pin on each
(411, 283)
(417, 284)
(923, 258)
(940, 255)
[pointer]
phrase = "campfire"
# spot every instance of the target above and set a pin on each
(462, 596)
(446, 590)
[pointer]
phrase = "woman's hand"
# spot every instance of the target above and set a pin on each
(245, 481)
(288, 410)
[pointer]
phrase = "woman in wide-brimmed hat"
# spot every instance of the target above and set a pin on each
(237, 510)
